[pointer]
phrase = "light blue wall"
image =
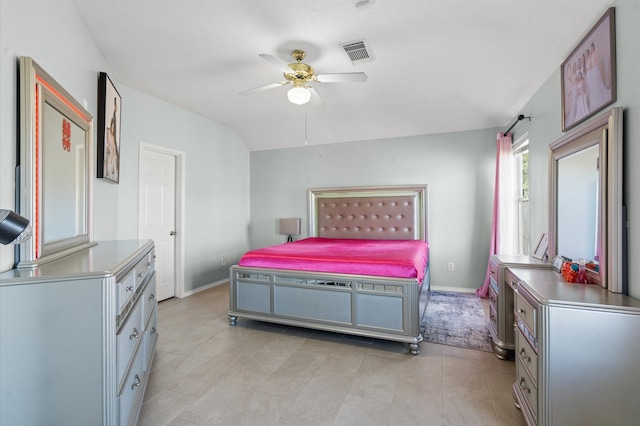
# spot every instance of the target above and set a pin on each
(458, 167)
(546, 127)
(217, 162)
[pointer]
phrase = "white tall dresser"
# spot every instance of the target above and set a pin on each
(78, 336)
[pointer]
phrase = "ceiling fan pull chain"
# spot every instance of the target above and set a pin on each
(306, 142)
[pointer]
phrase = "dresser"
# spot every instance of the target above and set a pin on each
(577, 352)
(78, 336)
(501, 300)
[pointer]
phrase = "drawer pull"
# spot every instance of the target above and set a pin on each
(152, 297)
(522, 312)
(492, 318)
(521, 384)
(137, 382)
(153, 331)
(523, 353)
(141, 274)
(492, 299)
(129, 288)
(135, 334)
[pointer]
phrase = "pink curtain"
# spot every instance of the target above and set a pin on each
(503, 235)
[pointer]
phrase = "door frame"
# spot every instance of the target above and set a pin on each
(180, 159)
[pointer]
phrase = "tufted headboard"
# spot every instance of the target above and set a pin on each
(381, 213)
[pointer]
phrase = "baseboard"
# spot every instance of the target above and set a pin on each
(453, 289)
(203, 288)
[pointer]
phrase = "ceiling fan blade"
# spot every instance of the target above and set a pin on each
(345, 77)
(315, 100)
(278, 63)
(262, 88)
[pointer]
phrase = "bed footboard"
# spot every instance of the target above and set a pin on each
(377, 307)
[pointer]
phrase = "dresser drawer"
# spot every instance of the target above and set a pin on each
(150, 339)
(527, 357)
(493, 298)
(143, 268)
(149, 300)
(128, 339)
(527, 390)
(131, 391)
(526, 313)
(493, 321)
(511, 279)
(493, 271)
(125, 289)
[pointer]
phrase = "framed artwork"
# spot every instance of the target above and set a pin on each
(589, 73)
(109, 113)
(541, 248)
(557, 263)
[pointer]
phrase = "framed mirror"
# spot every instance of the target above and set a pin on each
(585, 199)
(54, 179)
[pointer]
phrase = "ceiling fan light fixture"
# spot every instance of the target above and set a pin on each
(299, 95)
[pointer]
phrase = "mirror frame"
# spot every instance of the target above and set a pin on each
(36, 87)
(611, 221)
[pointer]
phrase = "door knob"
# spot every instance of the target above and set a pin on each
(172, 233)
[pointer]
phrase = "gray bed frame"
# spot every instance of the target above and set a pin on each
(362, 305)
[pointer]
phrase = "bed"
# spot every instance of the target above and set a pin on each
(363, 270)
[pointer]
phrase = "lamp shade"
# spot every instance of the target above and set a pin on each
(14, 228)
(289, 226)
(299, 95)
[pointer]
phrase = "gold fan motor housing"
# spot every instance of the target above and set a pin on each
(301, 71)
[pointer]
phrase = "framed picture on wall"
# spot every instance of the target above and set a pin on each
(588, 75)
(109, 113)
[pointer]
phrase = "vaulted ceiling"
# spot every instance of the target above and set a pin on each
(439, 65)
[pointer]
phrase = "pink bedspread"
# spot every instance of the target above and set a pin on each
(395, 258)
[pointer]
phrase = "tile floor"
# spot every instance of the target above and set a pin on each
(207, 372)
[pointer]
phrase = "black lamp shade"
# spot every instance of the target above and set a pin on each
(12, 225)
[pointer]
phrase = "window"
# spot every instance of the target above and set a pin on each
(521, 155)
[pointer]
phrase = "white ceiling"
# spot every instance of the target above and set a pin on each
(441, 65)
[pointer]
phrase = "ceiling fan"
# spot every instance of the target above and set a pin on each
(300, 75)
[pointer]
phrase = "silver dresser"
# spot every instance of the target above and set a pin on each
(78, 336)
(501, 299)
(577, 352)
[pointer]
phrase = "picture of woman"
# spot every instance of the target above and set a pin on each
(109, 107)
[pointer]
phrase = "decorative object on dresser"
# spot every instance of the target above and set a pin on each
(109, 124)
(78, 336)
(56, 139)
(289, 226)
(308, 294)
(14, 228)
(540, 252)
(501, 300)
(456, 319)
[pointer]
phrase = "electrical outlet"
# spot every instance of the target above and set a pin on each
(223, 261)
(450, 266)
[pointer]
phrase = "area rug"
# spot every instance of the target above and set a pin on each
(456, 319)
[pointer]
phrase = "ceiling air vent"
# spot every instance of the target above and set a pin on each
(358, 52)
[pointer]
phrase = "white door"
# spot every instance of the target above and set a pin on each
(157, 215)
